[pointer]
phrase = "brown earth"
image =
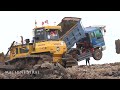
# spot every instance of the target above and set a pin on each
(49, 71)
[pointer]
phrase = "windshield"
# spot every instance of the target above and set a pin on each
(39, 34)
(98, 33)
(52, 34)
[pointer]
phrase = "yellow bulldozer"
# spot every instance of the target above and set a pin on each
(45, 46)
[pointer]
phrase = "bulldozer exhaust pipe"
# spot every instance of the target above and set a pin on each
(21, 39)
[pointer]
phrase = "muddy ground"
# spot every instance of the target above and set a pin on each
(49, 71)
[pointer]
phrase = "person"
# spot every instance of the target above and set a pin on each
(53, 34)
(88, 61)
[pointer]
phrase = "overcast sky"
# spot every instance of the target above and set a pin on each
(13, 24)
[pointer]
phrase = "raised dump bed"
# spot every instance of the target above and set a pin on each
(72, 31)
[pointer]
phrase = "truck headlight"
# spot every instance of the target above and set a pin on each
(103, 48)
(62, 42)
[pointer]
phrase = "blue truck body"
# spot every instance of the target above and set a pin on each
(76, 33)
(95, 41)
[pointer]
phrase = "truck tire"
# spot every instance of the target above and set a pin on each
(97, 54)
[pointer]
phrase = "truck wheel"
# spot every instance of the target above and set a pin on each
(97, 54)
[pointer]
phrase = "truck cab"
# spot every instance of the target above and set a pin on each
(95, 37)
(93, 42)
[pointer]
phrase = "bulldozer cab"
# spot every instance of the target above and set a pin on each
(46, 33)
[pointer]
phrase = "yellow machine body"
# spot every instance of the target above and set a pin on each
(20, 51)
(50, 27)
(55, 47)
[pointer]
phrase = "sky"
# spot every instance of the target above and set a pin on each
(14, 24)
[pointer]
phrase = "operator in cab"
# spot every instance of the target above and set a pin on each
(52, 34)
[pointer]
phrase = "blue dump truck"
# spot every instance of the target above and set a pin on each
(89, 40)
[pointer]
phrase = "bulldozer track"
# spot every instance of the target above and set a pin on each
(27, 62)
(69, 61)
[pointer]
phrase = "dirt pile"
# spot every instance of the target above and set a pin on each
(49, 71)
(44, 71)
(104, 71)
